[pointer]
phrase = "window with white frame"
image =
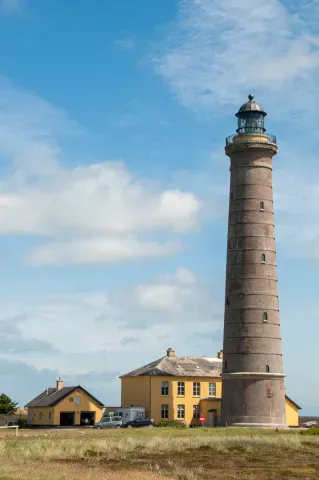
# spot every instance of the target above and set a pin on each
(212, 389)
(77, 400)
(181, 388)
(164, 411)
(196, 389)
(164, 388)
(180, 411)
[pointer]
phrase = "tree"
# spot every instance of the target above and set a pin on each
(7, 405)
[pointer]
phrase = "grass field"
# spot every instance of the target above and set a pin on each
(156, 454)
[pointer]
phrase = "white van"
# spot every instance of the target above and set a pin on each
(127, 413)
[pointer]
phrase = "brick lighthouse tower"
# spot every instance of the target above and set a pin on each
(253, 379)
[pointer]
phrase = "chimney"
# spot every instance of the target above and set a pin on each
(59, 384)
(170, 352)
(220, 355)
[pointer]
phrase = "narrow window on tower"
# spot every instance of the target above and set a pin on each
(229, 245)
(262, 206)
(227, 301)
(267, 369)
(265, 316)
(263, 258)
(225, 365)
(231, 195)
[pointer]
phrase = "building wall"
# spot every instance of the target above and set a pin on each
(146, 392)
(40, 415)
(136, 391)
(87, 404)
(292, 414)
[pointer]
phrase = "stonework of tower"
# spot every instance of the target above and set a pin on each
(253, 378)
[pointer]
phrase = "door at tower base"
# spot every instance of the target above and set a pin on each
(252, 402)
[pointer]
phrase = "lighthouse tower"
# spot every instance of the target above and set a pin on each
(253, 378)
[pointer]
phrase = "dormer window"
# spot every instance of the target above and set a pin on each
(263, 258)
(262, 206)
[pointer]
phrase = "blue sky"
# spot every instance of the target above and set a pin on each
(114, 182)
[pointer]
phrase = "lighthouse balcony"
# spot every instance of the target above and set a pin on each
(250, 137)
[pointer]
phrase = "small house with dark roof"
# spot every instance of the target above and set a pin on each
(64, 406)
(182, 388)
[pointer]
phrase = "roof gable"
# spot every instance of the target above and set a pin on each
(51, 397)
(181, 367)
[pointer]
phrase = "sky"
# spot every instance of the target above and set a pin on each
(114, 182)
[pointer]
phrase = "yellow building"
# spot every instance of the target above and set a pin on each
(64, 406)
(182, 388)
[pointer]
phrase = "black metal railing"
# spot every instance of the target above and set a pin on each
(229, 140)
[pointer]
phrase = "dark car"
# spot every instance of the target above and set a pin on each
(140, 422)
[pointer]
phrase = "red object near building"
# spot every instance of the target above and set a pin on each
(201, 419)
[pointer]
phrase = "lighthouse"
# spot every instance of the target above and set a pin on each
(252, 375)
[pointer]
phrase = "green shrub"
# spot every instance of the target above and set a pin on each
(170, 424)
(310, 431)
(22, 422)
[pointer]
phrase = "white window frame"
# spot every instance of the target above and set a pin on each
(196, 389)
(164, 409)
(212, 387)
(181, 412)
(164, 387)
(181, 389)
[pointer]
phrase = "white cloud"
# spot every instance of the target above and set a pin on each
(95, 199)
(170, 293)
(297, 210)
(94, 213)
(96, 328)
(97, 250)
(160, 297)
(178, 295)
(185, 276)
(220, 49)
(126, 43)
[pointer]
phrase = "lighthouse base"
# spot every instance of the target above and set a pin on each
(253, 401)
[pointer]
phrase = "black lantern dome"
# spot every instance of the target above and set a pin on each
(251, 117)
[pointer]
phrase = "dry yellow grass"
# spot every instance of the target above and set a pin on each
(30, 470)
(152, 454)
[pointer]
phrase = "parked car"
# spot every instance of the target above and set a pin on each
(109, 422)
(310, 424)
(140, 422)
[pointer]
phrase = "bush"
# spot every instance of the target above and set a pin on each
(23, 422)
(310, 431)
(170, 424)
